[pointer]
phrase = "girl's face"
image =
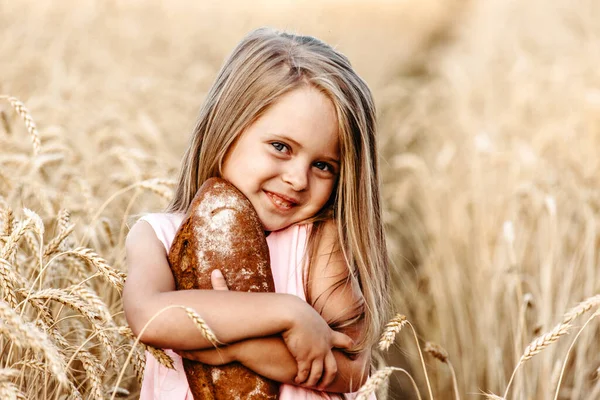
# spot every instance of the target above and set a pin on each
(287, 162)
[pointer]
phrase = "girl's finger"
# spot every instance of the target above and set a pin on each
(303, 372)
(330, 372)
(316, 371)
(218, 280)
(341, 341)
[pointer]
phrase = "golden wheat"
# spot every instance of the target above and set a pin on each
(93, 370)
(545, 340)
(441, 354)
(26, 335)
(473, 124)
(436, 351)
(116, 278)
(8, 279)
(581, 308)
(159, 354)
(391, 330)
(29, 123)
(201, 325)
(10, 391)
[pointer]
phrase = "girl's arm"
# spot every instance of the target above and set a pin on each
(233, 316)
(269, 356)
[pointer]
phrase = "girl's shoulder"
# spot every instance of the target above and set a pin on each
(162, 218)
(164, 225)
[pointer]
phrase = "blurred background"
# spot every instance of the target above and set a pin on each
(489, 125)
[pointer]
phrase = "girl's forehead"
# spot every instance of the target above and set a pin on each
(304, 116)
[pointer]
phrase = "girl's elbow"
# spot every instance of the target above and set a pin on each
(137, 316)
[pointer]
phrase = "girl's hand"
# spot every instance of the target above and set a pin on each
(310, 340)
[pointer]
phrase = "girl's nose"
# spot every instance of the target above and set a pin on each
(297, 177)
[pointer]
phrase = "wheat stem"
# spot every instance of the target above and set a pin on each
(537, 345)
(562, 371)
(422, 360)
(198, 321)
(378, 378)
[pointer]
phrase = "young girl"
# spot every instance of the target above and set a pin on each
(292, 126)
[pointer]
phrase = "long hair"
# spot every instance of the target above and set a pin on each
(265, 65)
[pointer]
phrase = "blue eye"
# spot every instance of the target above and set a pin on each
(323, 166)
(279, 146)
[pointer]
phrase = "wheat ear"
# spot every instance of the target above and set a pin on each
(412, 328)
(539, 344)
(391, 330)
(196, 319)
(26, 335)
(79, 305)
(159, 354)
(378, 378)
(8, 278)
(492, 396)
(115, 277)
(10, 391)
(562, 371)
(441, 354)
(93, 371)
(581, 308)
(29, 123)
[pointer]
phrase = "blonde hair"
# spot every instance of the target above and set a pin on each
(265, 65)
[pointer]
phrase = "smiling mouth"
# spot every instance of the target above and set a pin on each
(279, 201)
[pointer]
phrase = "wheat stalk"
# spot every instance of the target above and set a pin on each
(93, 370)
(8, 278)
(581, 308)
(562, 371)
(9, 391)
(76, 303)
(41, 367)
(14, 238)
(543, 341)
(108, 231)
(139, 363)
(492, 396)
(201, 325)
(8, 218)
(64, 230)
(116, 278)
(26, 335)
(20, 108)
(537, 345)
(155, 186)
(93, 300)
(441, 354)
(6, 374)
(160, 355)
(193, 315)
(436, 351)
(378, 378)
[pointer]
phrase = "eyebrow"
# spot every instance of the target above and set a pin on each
(286, 138)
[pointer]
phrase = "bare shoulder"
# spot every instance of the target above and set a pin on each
(148, 269)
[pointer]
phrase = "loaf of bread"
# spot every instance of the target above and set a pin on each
(222, 231)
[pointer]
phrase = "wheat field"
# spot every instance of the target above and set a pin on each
(489, 117)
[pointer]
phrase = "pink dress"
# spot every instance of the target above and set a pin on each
(286, 248)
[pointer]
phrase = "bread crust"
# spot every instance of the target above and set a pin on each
(221, 230)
